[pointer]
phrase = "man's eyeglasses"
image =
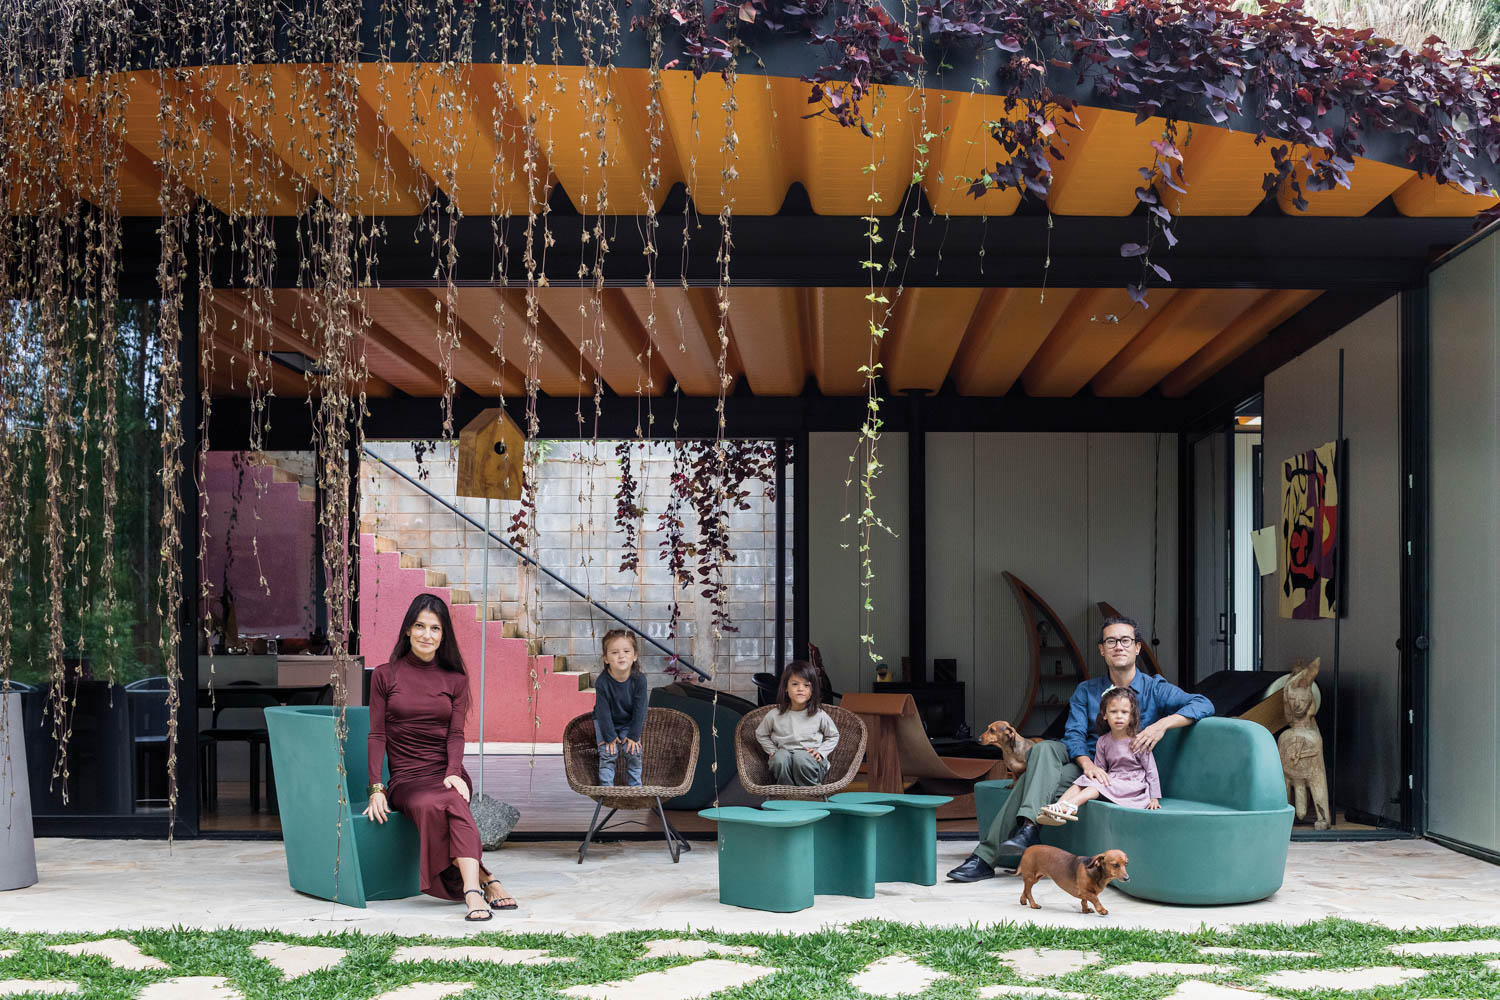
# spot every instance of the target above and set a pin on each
(1124, 642)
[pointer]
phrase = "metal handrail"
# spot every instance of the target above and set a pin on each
(675, 657)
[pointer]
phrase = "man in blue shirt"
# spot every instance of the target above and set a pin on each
(1052, 766)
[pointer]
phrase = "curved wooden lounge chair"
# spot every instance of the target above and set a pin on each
(755, 767)
(901, 751)
(669, 742)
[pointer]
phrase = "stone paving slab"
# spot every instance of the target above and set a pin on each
(425, 991)
(681, 948)
(45, 987)
(1196, 989)
(895, 976)
(295, 960)
(6, 953)
(209, 884)
(477, 953)
(1035, 962)
(987, 992)
(1343, 979)
(191, 988)
(115, 951)
(685, 982)
(1140, 970)
(1489, 946)
(1257, 952)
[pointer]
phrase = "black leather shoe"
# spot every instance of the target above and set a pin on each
(1026, 835)
(972, 870)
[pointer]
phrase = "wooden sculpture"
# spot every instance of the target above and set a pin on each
(1301, 747)
(1057, 667)
(491, 452)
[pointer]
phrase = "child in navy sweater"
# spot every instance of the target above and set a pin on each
(620, 697)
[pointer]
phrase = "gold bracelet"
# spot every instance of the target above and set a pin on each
(376, 787)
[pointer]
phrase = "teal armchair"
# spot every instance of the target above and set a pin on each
(333, 852)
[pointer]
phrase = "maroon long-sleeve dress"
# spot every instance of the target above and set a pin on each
(417, 714)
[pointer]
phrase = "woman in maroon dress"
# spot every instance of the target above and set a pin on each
(418, 705)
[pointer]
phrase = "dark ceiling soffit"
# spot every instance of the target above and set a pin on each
(951, 68)
(408, 418)
(1383, 253)
(1213, 403)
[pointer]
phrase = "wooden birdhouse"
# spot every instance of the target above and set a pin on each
(491, 453)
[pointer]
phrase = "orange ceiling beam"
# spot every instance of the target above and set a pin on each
(1097, 324)
(1009, 325)
(1244, 332)
(1191, 319)
(925, 334)
(766, 325)
(420, 128)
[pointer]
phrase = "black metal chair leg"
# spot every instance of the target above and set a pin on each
(682, 842)
(583, 848)
(671, 835)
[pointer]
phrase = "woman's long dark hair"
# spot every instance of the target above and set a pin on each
(448, 657)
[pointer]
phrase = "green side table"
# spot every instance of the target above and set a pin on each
(906, 838)
(766, 859)
(844, 845)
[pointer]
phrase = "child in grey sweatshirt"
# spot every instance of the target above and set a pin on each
(797, 734)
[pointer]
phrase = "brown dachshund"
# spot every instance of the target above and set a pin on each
(1083, 878)
(1013, 746)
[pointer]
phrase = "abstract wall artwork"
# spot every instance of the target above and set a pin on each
(1310, 514)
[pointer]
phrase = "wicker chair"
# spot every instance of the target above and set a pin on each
(755, 767)
(670, 745)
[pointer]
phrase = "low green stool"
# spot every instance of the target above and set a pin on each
(844, 845)
(766, 859)
(906, 838)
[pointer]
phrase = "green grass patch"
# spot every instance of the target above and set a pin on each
(809, 965)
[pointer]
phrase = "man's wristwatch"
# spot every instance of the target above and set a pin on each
(375, 787)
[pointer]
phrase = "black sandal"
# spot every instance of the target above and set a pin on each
(484, 914)
(495, 903)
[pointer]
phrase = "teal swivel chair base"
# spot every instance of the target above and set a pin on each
(766, 858)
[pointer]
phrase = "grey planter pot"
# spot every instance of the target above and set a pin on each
(17, 846)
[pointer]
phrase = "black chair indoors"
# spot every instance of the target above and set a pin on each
(238, 717)
(149, 718)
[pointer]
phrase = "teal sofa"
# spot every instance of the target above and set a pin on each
(333, 852)
(1222, 832)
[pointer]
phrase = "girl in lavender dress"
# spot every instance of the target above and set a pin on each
(1130, 777)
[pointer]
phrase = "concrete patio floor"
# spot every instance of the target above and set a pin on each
(97, 885)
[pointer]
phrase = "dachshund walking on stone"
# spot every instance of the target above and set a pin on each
(1083, 878)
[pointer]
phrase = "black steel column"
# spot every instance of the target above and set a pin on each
(1416, 471)
(801, 557)
(1187, 578)
(778, 657)
(190, 558)
(916, 536)
(352, 547)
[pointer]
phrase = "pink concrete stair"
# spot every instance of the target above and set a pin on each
(513, 713)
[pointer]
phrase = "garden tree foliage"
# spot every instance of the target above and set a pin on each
(90, 606)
